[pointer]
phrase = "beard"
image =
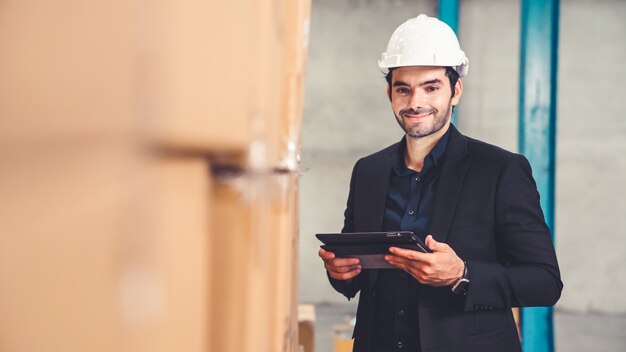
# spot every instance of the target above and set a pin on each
(423, 129)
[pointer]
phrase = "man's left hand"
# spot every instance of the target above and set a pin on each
(442, 267)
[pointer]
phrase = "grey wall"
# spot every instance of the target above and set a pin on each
(347, 116)
(489, 32)
(591, 155)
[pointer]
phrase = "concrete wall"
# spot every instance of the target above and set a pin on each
(591, 156)
(347, 116)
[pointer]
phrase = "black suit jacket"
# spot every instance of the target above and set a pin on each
(487, 209)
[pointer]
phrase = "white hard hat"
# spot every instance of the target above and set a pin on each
(424, 41)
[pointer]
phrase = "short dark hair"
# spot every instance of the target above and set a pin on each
(451, 73)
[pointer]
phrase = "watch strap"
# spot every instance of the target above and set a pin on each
(461, 285)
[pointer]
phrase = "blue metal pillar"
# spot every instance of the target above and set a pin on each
(537, 134)
(449, 13)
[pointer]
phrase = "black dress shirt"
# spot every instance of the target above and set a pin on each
(408, 207)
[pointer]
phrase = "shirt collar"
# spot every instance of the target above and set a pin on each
(433, 159)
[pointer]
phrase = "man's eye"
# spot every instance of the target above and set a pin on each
(402, 91)
(432, 88)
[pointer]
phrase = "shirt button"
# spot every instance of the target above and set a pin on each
(417, 178)
(400, 344)
(411, 212)
(401, 312)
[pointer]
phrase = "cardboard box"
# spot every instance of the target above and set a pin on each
(113, 109)
(102, 251)
(254, 285)
(187, 75)
(164, 259)
(306, 327)
(69, 70)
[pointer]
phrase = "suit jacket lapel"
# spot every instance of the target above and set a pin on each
(449, 186)
(377, 187)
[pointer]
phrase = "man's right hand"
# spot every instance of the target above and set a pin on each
(340, 268)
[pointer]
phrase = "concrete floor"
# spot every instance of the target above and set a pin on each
(574, 332)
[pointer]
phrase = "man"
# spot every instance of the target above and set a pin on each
(476, 205)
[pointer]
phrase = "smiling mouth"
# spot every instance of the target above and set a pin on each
(417, 116)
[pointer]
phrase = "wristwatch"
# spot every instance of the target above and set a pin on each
(461, 286)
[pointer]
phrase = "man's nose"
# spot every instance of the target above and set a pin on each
(417, 100)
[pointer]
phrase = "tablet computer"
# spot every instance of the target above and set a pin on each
(370, 247)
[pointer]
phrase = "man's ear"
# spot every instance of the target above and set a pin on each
(389, 92)
(458, 91)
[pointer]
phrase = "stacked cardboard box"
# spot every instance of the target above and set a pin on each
(149, 174)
